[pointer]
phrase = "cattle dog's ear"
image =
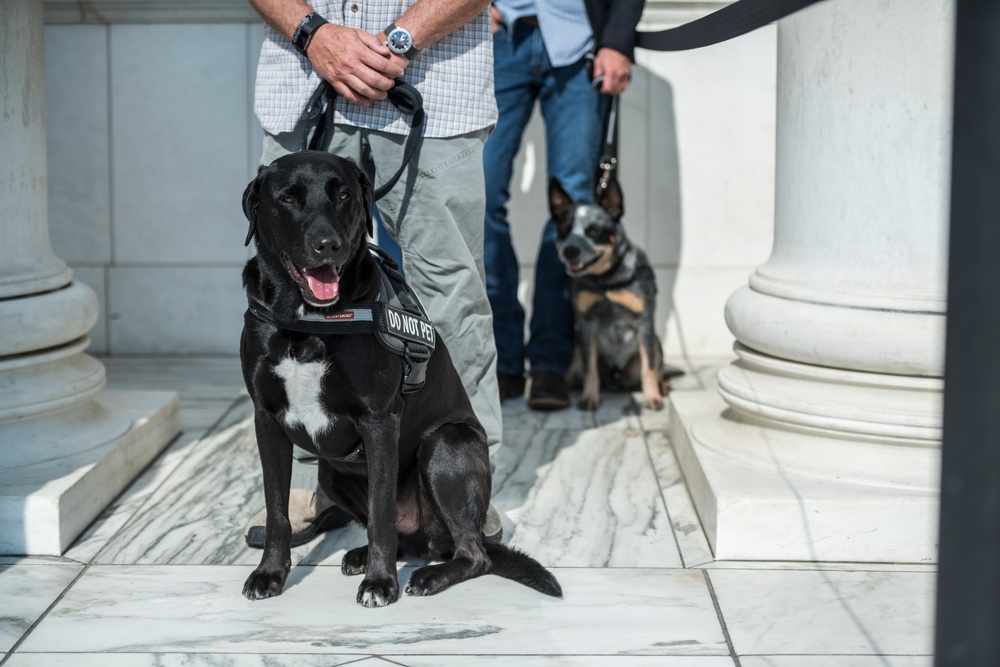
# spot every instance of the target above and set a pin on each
(251, 199)
(559, 201)
(610, 199)
(367, 196)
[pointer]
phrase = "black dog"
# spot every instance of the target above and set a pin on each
(613, 291)
(410, 465)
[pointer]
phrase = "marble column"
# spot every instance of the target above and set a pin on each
(823, 442)
(67, 446)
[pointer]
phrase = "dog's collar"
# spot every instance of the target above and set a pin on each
(396, 318)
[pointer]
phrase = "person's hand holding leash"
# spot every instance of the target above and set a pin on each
(496, 19)
(614, 69)
(359, 65)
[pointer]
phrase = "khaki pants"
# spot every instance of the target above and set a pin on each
(441, 237)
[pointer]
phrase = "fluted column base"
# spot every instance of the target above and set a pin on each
(767, 490)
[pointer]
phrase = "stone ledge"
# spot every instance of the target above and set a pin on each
(47, 503)
(769, 494)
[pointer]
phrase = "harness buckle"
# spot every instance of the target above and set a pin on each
(415, 357)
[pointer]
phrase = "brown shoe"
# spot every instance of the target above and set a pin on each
(511, 386)
(549, 391)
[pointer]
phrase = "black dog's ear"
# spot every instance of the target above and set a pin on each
(559, 201)
(251, 199)
(367, 197)
(610, 198)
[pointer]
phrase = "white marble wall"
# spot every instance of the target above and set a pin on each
(151, 139)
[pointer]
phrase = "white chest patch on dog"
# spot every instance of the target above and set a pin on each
(304, 386)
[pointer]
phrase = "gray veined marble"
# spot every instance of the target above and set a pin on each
(26, 591)
(603, 504)
(198, 513)
(786, 612)
(155, 609)
(88, 545)
(691, 541)
(583, 499)
(182, 659)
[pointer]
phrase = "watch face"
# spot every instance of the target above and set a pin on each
(399, 40)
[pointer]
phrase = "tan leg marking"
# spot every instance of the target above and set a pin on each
(585, 301)
(651, 397)
(590, 398)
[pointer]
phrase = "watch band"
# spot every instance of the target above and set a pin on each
(412, 52)
(303, 34)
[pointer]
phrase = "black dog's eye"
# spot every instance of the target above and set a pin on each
(344, 196)
(288, 199)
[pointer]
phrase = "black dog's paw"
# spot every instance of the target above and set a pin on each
(355, 561)
(378, 593)
(427, 581)
(263, 584)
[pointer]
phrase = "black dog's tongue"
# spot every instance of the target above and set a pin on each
(324, 282)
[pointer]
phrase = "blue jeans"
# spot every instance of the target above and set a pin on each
(522, 76)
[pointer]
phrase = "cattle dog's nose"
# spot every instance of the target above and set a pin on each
(571, 253)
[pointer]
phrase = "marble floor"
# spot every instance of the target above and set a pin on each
(597, 497)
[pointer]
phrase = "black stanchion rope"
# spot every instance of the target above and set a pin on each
(731, 21)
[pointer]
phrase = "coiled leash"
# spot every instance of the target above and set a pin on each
(404, 97)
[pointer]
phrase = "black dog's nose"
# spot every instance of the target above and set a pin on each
(571, 252)
(325, 244)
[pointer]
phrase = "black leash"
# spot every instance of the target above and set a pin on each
(608, 161)
(731, 21)
(404, 97)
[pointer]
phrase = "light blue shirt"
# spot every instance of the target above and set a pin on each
(564, 24)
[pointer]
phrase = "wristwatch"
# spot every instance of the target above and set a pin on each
(399, 40)
(303, 34)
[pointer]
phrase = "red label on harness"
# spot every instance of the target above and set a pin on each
(346, 315)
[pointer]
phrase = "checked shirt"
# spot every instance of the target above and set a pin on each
(454, 76)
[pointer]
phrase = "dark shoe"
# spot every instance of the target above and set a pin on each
(549, 391)
(310, 514)
(511, 386)
(671, 371)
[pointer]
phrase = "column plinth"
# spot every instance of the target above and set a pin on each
(67, 446)
(823, 439)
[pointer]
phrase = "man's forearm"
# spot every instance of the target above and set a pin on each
(282, 15)
(431, 20)
(427, 20)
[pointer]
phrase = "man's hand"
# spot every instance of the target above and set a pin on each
(496, 19)
(359, 65)
(616, 69)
